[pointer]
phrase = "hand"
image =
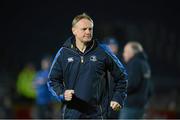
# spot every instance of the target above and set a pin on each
(68, 95)
(115, 105)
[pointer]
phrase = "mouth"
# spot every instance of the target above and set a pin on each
(87, 36)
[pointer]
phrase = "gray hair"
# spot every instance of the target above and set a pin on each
(136, 46)
(79, 17)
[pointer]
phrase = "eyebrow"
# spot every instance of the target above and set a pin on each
(86, 27)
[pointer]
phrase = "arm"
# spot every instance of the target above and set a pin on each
(120, 77)
(55, 82)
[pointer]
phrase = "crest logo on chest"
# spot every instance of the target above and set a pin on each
(93, 58)
(70, 59)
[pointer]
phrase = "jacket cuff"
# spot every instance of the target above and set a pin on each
(61, 98)
(119, 98)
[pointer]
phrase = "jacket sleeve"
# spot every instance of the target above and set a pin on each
(120, 76)
(55, 78)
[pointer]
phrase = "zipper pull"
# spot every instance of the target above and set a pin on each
(82, 59)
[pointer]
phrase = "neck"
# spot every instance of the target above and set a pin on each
(81, 45)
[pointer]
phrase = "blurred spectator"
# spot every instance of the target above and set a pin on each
(24, 82)
(43, 96)
(139, 73)
(113, 44)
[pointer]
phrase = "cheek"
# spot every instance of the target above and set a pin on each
(80, 33)
(131, 55)
(126, 56)
(91, 32)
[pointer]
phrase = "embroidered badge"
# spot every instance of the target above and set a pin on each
(70, 59)
(93, 58)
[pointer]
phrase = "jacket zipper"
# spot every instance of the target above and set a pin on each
(101, 111)
(82, 59)
(81, 56)
(99, 105)
(64, 111)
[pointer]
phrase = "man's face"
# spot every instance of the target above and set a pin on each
(128, 53)
(83, 30)
(114, 48)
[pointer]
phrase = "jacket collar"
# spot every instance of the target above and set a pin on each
(70, 43)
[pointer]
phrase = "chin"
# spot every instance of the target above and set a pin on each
(87, 40)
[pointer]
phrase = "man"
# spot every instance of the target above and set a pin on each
(138, 86)
(43, 96)
(78, 74)
(24, 83)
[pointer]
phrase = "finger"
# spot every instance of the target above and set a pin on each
(69, 91)
(117, 105)
(116, 108)
(68, 98)
(72, 91)
(66, 95)
(111, 104)
(66, 92)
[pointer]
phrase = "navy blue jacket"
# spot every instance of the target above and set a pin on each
(86, 74)
(139, 86)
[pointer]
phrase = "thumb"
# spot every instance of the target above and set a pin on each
(72, 91)
(111, 104)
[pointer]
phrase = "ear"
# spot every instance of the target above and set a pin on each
(73, 31)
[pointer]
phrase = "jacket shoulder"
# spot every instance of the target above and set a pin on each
(58, 54)
(111, 55)
(103, 48)
(60, 51)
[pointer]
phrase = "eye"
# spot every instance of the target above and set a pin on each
(84, 29)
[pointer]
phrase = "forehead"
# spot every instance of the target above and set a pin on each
(128, 47)
(84, 23)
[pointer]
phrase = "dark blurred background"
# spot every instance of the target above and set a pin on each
(30, 29)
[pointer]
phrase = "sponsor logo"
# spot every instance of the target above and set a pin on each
(93, 58)
(70, 59)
